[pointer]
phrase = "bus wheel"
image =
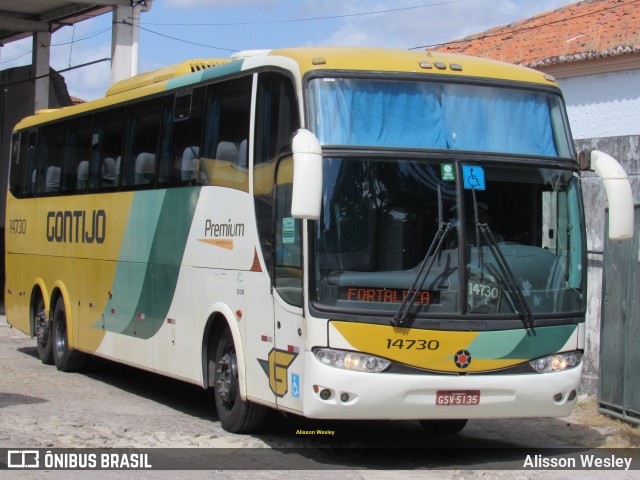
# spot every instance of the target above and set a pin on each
(236, 415)
(446, 427)
(66, 360)
(42, 329)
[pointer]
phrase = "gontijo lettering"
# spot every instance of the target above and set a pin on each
(76, 226)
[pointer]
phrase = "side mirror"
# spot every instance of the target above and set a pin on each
(619, 194)
(307, 176)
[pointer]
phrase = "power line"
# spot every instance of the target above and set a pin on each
(59, 44)
(182, 40)
(56, 72)
(523, 29)
(86, 36)
(308, 19)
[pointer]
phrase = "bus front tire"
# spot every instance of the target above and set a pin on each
(42, 330)
(443, 427)
(66, 359)
(235, 415)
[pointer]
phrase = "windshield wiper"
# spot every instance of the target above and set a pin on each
(402, 315)
(521, 304)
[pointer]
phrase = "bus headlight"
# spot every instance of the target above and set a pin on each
(361, 362)
(556, 363)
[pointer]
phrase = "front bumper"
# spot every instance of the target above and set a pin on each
(413, 397)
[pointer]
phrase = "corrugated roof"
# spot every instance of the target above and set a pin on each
(580, 31)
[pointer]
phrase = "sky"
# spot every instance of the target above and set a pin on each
(177, 30)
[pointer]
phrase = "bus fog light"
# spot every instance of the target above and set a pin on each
(357, 361)
(344, 397)
(556, 363)
(325, 394)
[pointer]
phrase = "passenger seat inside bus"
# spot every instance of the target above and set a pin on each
(188, 165)
(145, 168)
(52, 181)
(242, 154)
(227, 151)
(83, 175)
(108, 172)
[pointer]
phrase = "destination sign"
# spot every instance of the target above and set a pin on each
(386, 295)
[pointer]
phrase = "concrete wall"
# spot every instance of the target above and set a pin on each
(604, 112)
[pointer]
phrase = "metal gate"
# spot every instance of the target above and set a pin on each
(619, 390)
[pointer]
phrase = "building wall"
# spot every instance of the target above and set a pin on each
(605, 105)
(604, 112)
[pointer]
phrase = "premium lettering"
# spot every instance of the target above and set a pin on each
(76, 226)
(223, 229)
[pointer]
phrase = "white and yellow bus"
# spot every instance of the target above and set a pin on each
(338, 233)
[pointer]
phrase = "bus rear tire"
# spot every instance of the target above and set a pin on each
(443, 427)
(66, 359)
(235, 415)
(42, 330)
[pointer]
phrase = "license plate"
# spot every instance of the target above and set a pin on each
(447, 398)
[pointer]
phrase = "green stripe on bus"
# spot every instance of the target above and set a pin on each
(136, 246)
(143, 292)
(543, 341)
(521, 344)
(208, 74)
(163, 270)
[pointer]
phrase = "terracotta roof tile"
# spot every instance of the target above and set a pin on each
(583, 30)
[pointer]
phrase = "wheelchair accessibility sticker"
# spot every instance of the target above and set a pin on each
(473, 177)
(295, 385)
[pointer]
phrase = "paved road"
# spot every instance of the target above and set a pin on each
(114, 406)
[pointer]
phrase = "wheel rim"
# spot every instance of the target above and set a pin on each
(41, 325)
(61, 334)
(227, 379)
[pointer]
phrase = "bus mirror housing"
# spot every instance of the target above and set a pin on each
(619, 194)
(307, 176)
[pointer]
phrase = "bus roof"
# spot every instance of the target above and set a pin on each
(307, 59)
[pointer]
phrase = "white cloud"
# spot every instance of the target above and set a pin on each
(16, 54)
(437, 21)
(90, 82)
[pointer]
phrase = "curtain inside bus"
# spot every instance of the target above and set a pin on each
(410, 114)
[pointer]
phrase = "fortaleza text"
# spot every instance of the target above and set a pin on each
(581, 461)
(315, 432)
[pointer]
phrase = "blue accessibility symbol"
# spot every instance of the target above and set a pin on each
(295, 385)
(473, 177)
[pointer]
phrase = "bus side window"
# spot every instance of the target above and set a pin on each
(181, 137)
(50, 159)
(288, 248)
(17, 173)
(106, 150)
(142, 134)
(75, 169)
(277, 119)
(31, 164)
(224, 158)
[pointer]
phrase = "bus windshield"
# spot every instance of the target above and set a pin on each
(440, 116)
(380, 215)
